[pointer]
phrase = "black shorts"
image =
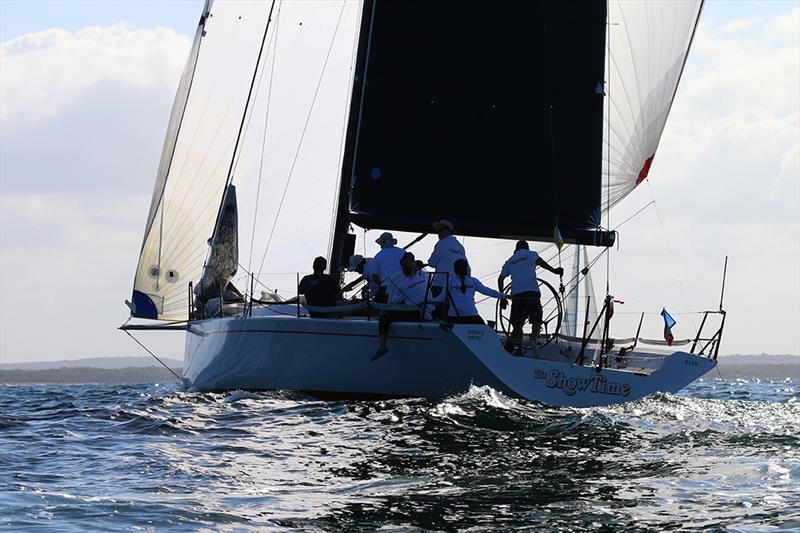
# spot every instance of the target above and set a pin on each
(389, 317)
(381, 295)
(526, 306)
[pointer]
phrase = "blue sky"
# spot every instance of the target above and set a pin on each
(84, 115)
(18, 17)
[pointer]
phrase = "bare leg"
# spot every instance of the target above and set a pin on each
(516, 336)
(383, 336)
(536, 329)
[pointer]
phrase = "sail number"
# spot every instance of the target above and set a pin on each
(475, 334)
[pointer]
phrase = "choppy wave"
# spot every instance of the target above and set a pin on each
(723, 455)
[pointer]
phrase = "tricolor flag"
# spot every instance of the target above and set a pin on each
(557, 239)
(668, 323)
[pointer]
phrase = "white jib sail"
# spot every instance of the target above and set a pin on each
(288, 155)
(197, 154)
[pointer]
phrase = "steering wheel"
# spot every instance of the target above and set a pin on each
(552, 311)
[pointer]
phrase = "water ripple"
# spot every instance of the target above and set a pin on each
(722, 455)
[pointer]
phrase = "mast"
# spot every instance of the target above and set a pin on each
(341, 221)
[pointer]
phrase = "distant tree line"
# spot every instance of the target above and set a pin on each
(78, 375)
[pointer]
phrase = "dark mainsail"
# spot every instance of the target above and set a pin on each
(489, 114)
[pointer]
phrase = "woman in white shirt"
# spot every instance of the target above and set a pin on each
(409, 289)
(461, 295)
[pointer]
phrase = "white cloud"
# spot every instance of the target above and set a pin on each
(82, 122)
(740, 24)
(43, 72)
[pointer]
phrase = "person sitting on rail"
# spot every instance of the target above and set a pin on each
(367, 267)
(526, 301)
(319, 288)
(461, 295)
(387, 263)
(411, 289)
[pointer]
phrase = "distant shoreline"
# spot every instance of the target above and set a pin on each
(89, 375)
(158, 374)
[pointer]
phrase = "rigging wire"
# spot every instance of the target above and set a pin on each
(151, 353)
(186, 249)
(641, 210)
(340, 165)
(608, 145)
(302, 137)
(671, 255)
(264, 135)
(245, 117)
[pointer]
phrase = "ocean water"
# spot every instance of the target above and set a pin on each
(720, 456)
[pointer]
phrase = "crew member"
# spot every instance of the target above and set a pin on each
(367, 268)
(410, 289)
(526, 301)
(445, 253)
(319, 288)
(462, 295)
(387, 263)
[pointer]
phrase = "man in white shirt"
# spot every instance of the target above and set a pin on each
(526, 301)
(445, 253)
(387, 263)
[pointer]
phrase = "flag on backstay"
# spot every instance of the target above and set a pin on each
(669, 322)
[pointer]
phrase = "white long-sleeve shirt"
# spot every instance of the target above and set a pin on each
(408, 290)
(446, 252)
(411, 291)
(463, 303)
(387, 263)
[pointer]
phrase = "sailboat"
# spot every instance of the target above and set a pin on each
(514, 120)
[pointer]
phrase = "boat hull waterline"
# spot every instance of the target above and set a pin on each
(331, 358)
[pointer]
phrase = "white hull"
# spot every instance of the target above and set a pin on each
(330, 358)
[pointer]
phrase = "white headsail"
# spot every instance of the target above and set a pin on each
(197, 154)
(215, 111)
(648, 42)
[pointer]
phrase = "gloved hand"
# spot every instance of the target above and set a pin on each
(503, 303)
(560, 271)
